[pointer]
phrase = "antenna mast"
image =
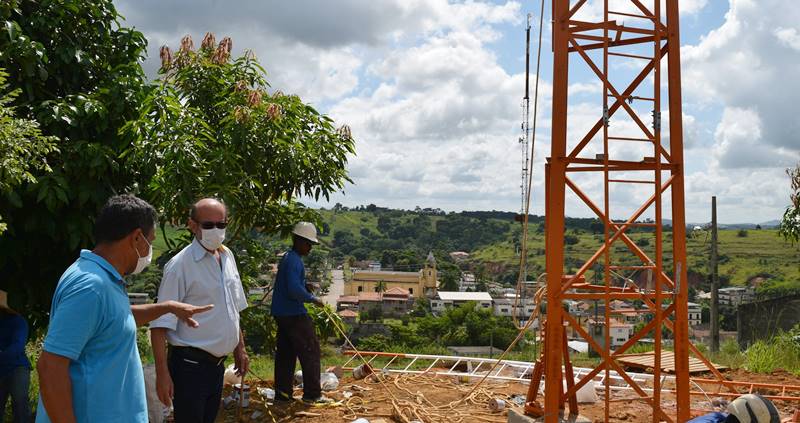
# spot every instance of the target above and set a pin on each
(524, 140)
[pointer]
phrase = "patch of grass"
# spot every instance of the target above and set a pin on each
(761, 252)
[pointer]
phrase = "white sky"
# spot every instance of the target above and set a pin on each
(432, 91)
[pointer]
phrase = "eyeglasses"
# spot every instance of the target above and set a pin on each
(211, 225)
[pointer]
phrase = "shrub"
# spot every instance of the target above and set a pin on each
(374, 343)
(781, 352)
(742, 233)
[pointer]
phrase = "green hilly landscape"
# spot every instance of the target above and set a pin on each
(401, 239)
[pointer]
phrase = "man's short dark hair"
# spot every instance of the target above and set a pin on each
(121, 215)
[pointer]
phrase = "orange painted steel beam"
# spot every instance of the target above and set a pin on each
(678, 210)
(554, 262)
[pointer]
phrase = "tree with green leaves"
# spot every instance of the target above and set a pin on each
(23, 148)
(77, 71)
(212, 127)
(790, 224)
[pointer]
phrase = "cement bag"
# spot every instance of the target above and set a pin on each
(586, 395)
(328, 381)
(156, 411)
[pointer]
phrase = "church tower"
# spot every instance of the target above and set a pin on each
(429, 276)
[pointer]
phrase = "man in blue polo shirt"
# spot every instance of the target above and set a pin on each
(296, 338)
(89, 370)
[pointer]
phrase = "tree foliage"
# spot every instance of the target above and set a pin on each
(211, 127)
(78, 74)
(23, 148)
(790, 224)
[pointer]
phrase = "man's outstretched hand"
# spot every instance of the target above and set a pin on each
(184, 312)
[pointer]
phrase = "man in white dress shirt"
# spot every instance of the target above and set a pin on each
(189, 373)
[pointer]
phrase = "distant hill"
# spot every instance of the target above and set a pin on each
(401, 239)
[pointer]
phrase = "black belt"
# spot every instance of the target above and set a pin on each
(197, 354)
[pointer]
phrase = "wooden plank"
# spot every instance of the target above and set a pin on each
(646, 361)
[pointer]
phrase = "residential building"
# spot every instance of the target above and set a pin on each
(505, 307)
(418, 284)
(347, 302)
(395, 302)
(734, 295)
(445, 299)
(619, 332)
(467, 282)
(695, 314)
(348, 316)
(368, 301)
(627, 315)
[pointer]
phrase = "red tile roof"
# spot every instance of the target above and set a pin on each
(369, 296)
(348, 313)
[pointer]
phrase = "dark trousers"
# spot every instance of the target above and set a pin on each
(296, 340)
(198, 388)
(16, 385)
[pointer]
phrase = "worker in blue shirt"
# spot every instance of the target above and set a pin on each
(89, 369)
(296, 337)
(15, 369)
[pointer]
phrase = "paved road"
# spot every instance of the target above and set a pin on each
(336, 289)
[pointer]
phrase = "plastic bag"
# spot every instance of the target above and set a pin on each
(230, 377)
(328, 381)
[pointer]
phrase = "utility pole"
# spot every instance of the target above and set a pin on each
(713, 269)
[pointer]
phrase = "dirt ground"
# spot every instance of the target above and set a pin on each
(436, 399)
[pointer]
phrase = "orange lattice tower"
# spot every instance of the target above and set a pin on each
(626, 151)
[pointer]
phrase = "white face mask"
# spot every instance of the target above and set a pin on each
(143, 261)
(212, 238)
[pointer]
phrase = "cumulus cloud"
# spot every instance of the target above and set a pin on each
(747, 67)
(750, 63)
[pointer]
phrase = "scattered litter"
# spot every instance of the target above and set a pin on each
(267, 393)
(229, 401)
(362, 371)
(230, 377)
(518, 400)
(306, 414)
(360, 420)
(359, 388)
(337, 370)
(298, 377)
(497, 404)
(244, 392)
(256, 415)
(328, 381)
(347, 394)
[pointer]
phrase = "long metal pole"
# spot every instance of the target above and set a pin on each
(681, 325)
(555, 230)
(714, 279)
